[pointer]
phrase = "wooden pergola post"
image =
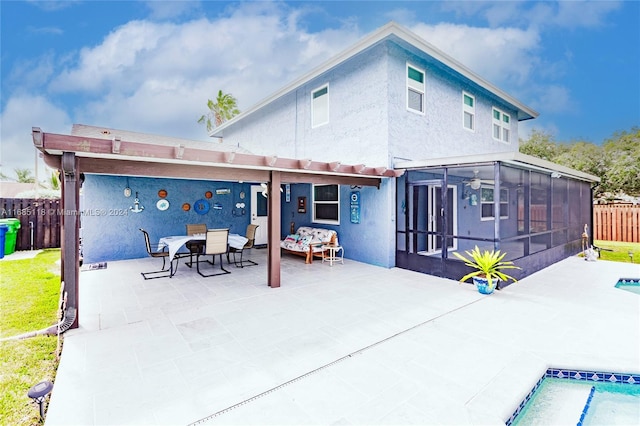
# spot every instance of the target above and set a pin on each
(70, 229)
(273, 232)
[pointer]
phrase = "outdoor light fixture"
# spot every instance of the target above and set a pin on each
(127, 190)
(39, 392)
(556, 175)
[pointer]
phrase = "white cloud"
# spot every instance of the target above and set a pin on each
(563, 14)
(157, 76)
(20, 114)
(505, 55)
(171, 9)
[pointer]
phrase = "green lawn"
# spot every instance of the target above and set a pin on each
(620, 251)
(29, 290)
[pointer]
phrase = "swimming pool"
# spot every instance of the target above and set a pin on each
(629, 284)
(581, 397)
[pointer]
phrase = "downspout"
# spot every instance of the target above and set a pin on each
(496, 205)
(443, 215)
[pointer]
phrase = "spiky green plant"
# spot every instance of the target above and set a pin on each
(487, 264)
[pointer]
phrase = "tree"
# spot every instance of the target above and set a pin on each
(622, 163)
(224, 108)
(24, 176)
(541, 145)
(616, 162)
(54, 180)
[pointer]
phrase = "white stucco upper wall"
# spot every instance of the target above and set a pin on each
(357, 131)
(369, 122)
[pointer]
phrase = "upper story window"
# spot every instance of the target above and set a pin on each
(320, 106)
(326, 204)
(486, 203)
(415, 89)
(501, 126)
(468, 111)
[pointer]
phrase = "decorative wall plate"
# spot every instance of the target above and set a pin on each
(162, 205)
(186, 207)
(201, 206)
(208, 194)
(242, 195)
(162, 193)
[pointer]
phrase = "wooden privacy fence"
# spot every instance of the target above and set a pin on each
(616, 223)
(40, 221)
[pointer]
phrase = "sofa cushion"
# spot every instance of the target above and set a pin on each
(306, 237)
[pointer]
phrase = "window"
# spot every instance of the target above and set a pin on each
(468, 111)
(415, 89)
(320, 106)
(326, 204)
(501, 125)
(486, 203)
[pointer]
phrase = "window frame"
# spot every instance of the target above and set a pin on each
(471, 110)
(502, 123)
(415, 86)
(315, 124)
(502, 203)
(314, 203)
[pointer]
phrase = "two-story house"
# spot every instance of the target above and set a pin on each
(396, 100)
(400, 148)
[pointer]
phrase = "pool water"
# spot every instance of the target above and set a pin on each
(629, 284)
(562, 401)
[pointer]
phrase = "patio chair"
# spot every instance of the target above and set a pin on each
(158, 251)
(251, 236)
(195, 247)
(215, 244)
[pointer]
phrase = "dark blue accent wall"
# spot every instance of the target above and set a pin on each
(110, 231)
(370, 241)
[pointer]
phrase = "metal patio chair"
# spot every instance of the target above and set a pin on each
(161, 252)
(251, 236)
(215, 244)
(195, 247)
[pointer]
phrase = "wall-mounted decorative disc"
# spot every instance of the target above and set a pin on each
(208, 194)
(162, 205)
(162, 193)
(186, 207)
(201, 207)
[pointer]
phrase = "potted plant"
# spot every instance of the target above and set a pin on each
(488, 266)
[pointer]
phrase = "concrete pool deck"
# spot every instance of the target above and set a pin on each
(348, 344)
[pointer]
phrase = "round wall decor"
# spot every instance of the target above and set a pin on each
(162, 193)
(186, 207)
(162, 204)
(201, 206)
(208, 194)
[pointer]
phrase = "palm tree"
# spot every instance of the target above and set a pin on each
(224, 108)
(24, 176)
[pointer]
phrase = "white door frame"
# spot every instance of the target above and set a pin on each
(262, 232)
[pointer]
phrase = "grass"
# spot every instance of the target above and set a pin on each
(620, 251)
(30, 290)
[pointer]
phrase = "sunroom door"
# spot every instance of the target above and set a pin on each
(436, 215)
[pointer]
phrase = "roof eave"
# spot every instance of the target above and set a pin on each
(515, 158)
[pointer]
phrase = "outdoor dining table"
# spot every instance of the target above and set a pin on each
(175, 242)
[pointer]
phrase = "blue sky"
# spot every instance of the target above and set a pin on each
(151, 66)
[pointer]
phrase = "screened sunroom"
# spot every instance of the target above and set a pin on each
(533, 210)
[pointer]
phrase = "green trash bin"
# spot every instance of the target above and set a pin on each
(11, 235)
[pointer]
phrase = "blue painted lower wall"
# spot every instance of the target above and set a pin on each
(370, 241)
(110, 231)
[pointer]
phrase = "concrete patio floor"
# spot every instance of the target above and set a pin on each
(348, 344)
